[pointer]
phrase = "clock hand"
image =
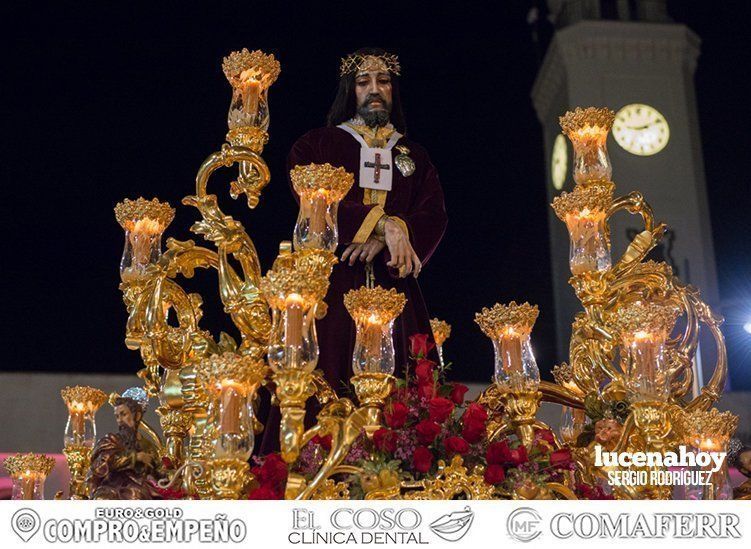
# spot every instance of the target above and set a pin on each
(638, 128)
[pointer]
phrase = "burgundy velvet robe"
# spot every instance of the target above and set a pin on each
(418, 201)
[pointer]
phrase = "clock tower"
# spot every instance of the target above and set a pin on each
(629, 56)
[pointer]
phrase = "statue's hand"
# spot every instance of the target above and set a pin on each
(144, 457)
(403, 256)
(364, 252)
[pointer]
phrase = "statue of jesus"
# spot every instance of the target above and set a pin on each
(392, 219)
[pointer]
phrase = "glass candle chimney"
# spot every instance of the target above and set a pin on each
(320, 188)
(293, 343)
(232, 417)
(231, 381)
(509, 328)
(28, 473)
(144, 223)
(250, 74)
(709, 431)
(644, 328)
(589, 247)
(82, 403)
(588, 129)
(374, 311)
(294, 288)
(585, 213)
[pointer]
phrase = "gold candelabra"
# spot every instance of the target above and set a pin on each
(206, 385)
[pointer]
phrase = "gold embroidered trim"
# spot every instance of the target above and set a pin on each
(368, 225)
(401, 223)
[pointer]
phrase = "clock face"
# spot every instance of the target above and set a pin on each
(641, 129)
(559, 162)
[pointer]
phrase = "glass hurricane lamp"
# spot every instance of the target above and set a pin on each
(509, 327)
(250, 73)
(585, 210)
(588, 129)
(320, 187)
(231, 381)
(374, 311)
(644, 328)
(28, 473)
(144, 223)
(293, 288)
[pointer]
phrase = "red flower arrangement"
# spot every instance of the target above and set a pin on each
(428, 420)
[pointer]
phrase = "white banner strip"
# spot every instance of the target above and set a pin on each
(187, 524)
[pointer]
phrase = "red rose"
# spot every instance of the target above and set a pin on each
(273, 471)
(473, 423)
(324, 442)
(545, 435)
(422, 459)
(421, 345)
(494, 474)
(426, 390)
(560, 458)
(424, 371)
(473, 432)
(427, 431)
(440, 409)
(395, 414)
(457, 393)
(475, 412)
(498, 453)
(385, 440)
(518, 456)
(456, 445)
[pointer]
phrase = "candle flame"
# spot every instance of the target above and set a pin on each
(294, 299)
(588, 132)
(145, 226)
(509, 331)
(249, 75)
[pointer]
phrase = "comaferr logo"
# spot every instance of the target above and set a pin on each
(524, 524)
(453, 526)
(641, 525)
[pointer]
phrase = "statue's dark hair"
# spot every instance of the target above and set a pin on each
(133, 406)
(345, 103)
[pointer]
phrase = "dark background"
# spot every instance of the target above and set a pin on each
(112, 100)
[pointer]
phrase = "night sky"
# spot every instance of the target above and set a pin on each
(120, 100)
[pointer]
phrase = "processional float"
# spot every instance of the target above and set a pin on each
(630, 356)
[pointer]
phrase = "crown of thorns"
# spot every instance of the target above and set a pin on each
(366, 63)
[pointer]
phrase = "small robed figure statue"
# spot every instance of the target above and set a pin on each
(390, 222)
(124, 464)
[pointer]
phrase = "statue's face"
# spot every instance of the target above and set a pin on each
(745, 460)
(124, 416)
(373, 92)
(607, 430)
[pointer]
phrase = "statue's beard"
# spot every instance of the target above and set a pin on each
(374, 118)
(128, 436)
